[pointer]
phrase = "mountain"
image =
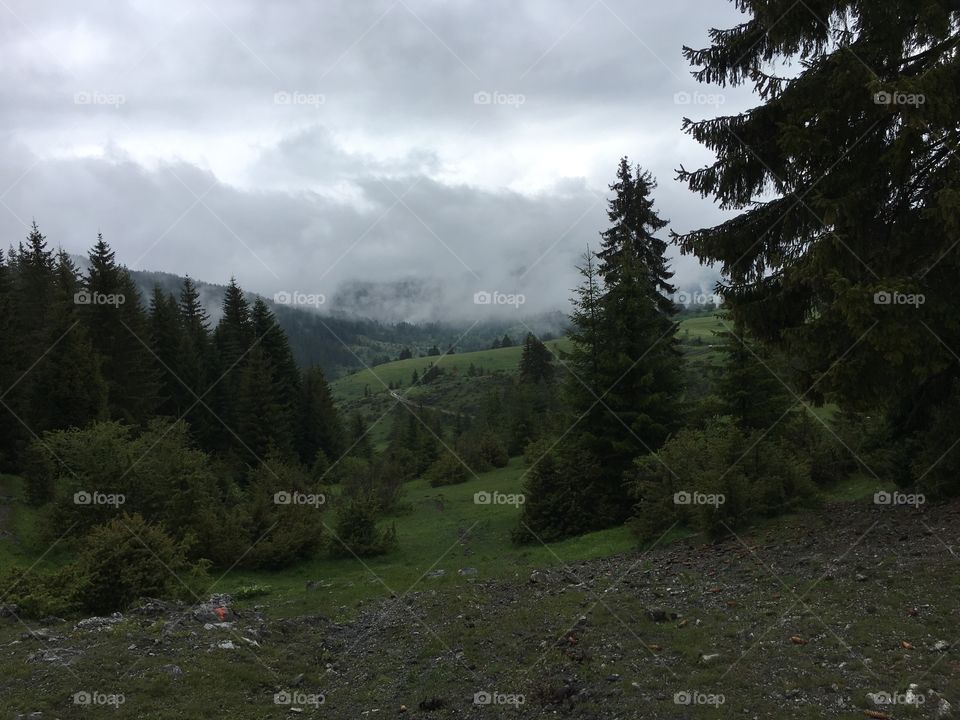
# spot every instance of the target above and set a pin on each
(341, 340)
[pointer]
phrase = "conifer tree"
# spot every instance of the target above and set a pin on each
(166, 341)
(119, 331)
(845, 180)
(536, 362)
(633, 222)
(749, 385)
(320, 425)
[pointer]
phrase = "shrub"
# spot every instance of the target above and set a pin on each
(935, 453)
(376, 478)
(750, 475)
(129, 558)
(357, 532)
(560, 497)
(37, 594)
(447, 470)
(281, 518)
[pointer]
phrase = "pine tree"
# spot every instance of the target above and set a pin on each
(749, 385)
(633, 224)
(506, 341)
(197, 365)
(320, 426)
(285, 373)
(8, 432)
(536, 362)
(261, 421)
(845, 178)
(232, 339)
(66, 385)
(119, 331)
(167, 343)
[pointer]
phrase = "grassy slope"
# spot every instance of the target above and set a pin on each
(352, 386)
(695, 334)
(445, 531)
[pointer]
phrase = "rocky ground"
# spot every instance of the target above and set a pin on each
(850, 613)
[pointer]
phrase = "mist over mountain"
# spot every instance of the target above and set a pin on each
(370, 323)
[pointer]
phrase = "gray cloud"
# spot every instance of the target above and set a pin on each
(341, 141)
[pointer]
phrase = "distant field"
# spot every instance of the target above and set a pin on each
(377, 378)
(695, 334)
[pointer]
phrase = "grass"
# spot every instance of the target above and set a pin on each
(446, 530)
(26, 541)
(696, 335)
(375, 380)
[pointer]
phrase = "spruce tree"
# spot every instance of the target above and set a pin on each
(320, 425)
(167, 342)
(233, 339)
(66, 384)
(285, 373)
(198, 365)
(845, 180)
(536, 362)
(633, 222)
(119, 331)
(749, 384)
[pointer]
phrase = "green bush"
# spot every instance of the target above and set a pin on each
(447, 470)
(935, 453)
(279, 521)
(357, 532)
(560, 496)
(717, 479)
(39, 594)
(129, 558)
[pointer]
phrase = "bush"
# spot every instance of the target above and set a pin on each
(447, 470)
(375, 478)
(280, 520)
(157, 474)
(357, 532)
(129, 558)
(560, 497)
(37, 594)
(717, 479)
(935, 465)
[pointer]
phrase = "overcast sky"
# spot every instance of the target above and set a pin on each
(302, 145)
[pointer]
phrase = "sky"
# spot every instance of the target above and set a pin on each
(305, 147)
